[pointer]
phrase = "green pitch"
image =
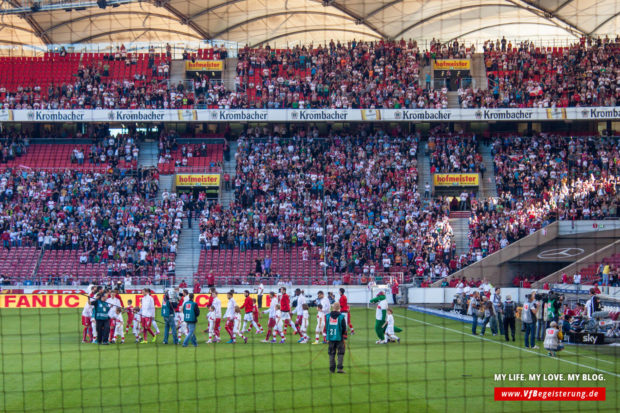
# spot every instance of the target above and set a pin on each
(437, 367)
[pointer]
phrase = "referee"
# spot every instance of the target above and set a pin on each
(101, 308)
(336, 335)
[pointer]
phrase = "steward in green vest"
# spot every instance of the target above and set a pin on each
(336, 326)
(190, 316)
(101, 309)
(167, 312)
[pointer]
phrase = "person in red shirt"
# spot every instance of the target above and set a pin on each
(130, 316)
(285, 308)
(248, 318)
(527, 283)
(197, 287)
(255, 316)
(394, 290)
(344, 308)
(183, 284)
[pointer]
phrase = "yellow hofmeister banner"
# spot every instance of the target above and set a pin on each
(198, 180)
(204, 65)
(80, 300)
(456, 179)
(451, 64)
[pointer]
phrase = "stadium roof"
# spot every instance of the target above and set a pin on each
(256, 22)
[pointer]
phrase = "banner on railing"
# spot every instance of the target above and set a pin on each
(198, 180)
(80, 300)
(310, 115)
(451, 64)
(204, 66)
(442, 180)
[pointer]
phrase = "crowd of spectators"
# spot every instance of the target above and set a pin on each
(111, 218)
(585, 73)
(357, 192)
(380, 74)
(356, 74)
(450, 153)
(541, 179)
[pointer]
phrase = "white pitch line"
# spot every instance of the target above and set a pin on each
(583, 355)
(509, 345)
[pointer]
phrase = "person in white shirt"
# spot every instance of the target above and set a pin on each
(137, 323)
(299, 310)
(217, 307)
(553, 339)
(323, 307)
(237, 326)
(259, 294)
(303, 326)
(114, 304)
(119, 329)
(389, 327)
(577, 280)
(147, 314)
(230, 316)
(278, 326)
(272, 316)
(211, 321)
(87, 315)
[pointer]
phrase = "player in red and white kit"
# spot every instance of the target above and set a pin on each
(115, 303)
(303, 325)
(255, 315)
(237, 326)
(344, 309)
(87, 314)
(248, 317)
(182, 329)
(118, 326)
(285, 308)
(272, 316)
(130, 315)
(217, 307)
(147, 314)
(137, 324)
(230, 316)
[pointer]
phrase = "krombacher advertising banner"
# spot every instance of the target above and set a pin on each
(309, 115)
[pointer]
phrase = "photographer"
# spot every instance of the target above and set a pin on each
(528, 318)
(472, 310)
(101, 309)
(554, 306)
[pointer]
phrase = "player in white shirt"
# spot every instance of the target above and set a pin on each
(115, 303)
(299, 309)
(137, 324)
(147, 314)
(303, 326)
(217, 306)
(180, 323)
(324, 306)
(119, 329)
(237, 326)
(389, 327)
(211, 321)
(87, 314)
(230, 316)
(278, 326)
(272, 316)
